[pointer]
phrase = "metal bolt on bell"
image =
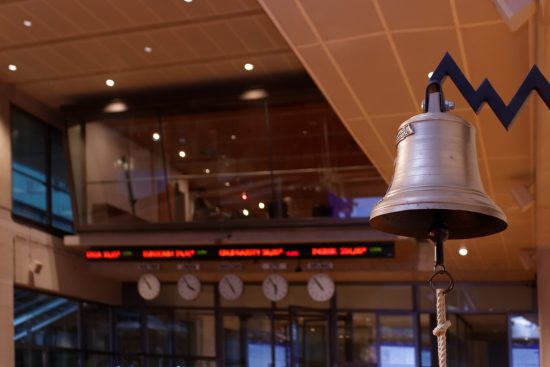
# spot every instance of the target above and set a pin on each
(436, 183)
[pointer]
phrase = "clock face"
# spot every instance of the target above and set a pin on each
(189, 287)
(231, 287)
(275, 287)
(320, 287)
(148, 286)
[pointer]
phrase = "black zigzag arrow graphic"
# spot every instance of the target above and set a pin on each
(534, 81)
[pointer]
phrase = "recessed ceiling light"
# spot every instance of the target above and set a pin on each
(227, 184)
(116, 106)
(110, 82)
(233, 137)
(463, 251)
(248, 66)
(148, 49)
(182, 154)
(261, 205)
(253, 94)
(188, 1)
(27, 23)
(12, 67)
(156, 136)
(246, 212)
(206, 170)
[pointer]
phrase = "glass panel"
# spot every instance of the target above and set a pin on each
(375, 297)
(223, 158)
(233, 354)
(258, 341)
(525, 340)
(97, 325)
(494, 298)
(159, 327)
(357, 339)
(128, 331)
(159, 362)
(181, 362)
(63, 358)
(97, 360)
(282, 340)
(125, 172)
(54, 323)
(29, 166)
(62, 213)
(194, 333)
(310, 339)
(396, 341)
(426, 338)
(28, 358)
(129, 361)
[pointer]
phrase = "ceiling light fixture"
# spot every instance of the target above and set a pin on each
(227, 184)
(253, 94)
(246, 212)
(261, 205)
(110, 82)
(188, 1)
(115, 106)
(248, 66)
(156, 136)
(148, 49)
(233, 137)
(463, 250)
(182, 154)
(12, 67)
(27, 23)
(207, 170)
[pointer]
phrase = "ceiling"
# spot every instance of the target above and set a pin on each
(370, 58)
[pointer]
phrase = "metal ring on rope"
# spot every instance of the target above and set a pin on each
(443, 272)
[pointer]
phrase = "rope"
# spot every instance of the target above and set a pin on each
(441, 328)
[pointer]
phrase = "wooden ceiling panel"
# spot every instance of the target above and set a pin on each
(199, 42)
(420, 52)
(475, 11)
(427, 13)
(335, 20)
(111, 14)
(225, 39)
(252, 31)
(500, 55)
(371, 70)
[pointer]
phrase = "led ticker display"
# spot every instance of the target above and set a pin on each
(243, 252)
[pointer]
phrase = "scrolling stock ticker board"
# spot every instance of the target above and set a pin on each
(243, 252)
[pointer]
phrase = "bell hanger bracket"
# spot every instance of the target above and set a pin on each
(486, 93)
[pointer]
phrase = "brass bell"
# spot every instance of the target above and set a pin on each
(436, 183)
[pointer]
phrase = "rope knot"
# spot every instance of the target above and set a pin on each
(441, 329)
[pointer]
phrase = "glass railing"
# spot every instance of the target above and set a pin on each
(259, 162)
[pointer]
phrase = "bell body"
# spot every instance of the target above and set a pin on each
(436, 182)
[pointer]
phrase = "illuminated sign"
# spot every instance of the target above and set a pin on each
(242, 252)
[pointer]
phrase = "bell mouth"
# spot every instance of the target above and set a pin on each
(461, 223)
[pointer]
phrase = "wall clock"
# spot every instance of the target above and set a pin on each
(189, 287)
(148, 286)
(320, 287)
(231, 287)
(275, 287)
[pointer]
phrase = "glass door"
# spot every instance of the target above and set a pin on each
(309, 337)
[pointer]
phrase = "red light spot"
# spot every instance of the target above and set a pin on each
(93, 255)
(292, 253)
(244, 196)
